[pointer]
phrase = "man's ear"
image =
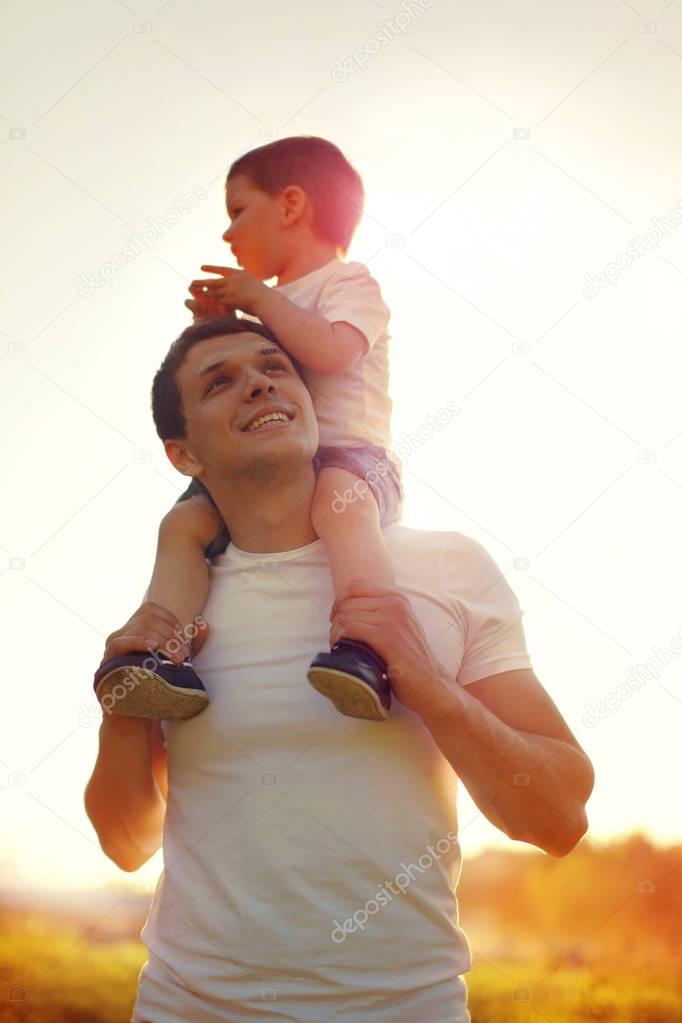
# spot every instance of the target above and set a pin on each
(294, 203)
(181, 458)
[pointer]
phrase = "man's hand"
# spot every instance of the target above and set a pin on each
(384, 619)
(153, 627)
(236, 288)
(204, 307)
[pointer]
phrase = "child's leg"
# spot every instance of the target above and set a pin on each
(348, 519)
(345, 516)
(146, 685)
(180, 577)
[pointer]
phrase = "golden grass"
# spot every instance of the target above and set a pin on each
(50, 974)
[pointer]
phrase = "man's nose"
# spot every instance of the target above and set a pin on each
(259, 384)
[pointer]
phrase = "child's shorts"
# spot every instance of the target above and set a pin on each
(381, 470)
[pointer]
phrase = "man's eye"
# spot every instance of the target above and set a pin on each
(274, 364)
(216, 380)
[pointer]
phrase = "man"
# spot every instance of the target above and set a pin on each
(311, 859)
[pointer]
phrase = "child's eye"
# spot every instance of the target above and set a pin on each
(275, 364)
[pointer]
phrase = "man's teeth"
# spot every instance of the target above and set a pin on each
(267, 419)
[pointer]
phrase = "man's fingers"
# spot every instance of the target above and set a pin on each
(361, 588)
(151, 627)
(146, 644)
(151, 612)
(171, 639)
(358, 628)
(367, 605)
(129, 643)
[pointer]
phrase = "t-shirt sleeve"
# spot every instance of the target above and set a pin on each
(484, 601)
(353, 296)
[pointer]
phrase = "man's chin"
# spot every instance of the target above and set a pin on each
(277, 461)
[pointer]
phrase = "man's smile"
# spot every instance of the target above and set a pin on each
(268, 419)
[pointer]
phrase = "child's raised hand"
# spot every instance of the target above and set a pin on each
(237, 288)
(204, 306)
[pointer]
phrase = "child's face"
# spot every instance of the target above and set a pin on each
(256, 233)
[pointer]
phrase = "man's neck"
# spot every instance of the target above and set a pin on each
(311, 256)
(267, 516)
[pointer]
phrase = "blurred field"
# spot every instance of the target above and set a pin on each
(596, 936)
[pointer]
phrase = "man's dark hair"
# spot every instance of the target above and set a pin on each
(321, 170)
(167, 410)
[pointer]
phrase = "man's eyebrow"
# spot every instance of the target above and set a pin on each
(264, 350)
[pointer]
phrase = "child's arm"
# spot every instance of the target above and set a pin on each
(317, 344)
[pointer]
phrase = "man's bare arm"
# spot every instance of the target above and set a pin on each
(125, 798)
(503, 735)
(513, 751)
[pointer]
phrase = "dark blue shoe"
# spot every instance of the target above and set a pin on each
(149, 686)
(354, 678)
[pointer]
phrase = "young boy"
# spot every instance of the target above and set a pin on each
(294, 205)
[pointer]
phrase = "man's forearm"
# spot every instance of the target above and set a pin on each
(532, 787)
(123, 799)
(307, 337)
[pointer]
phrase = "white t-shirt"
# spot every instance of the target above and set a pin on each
(353, 407)
(311, 859)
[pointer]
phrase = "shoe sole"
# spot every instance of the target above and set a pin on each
(351, 696)
(152, 696)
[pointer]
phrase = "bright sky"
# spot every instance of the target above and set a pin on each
(507, 151)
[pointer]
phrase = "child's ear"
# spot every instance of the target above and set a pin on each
(181, 458)
(294, 202)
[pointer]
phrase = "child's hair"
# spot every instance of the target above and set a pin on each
(167, 411)
(321, 170)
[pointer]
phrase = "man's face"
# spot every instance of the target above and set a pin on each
(255, 234)
(227, 385)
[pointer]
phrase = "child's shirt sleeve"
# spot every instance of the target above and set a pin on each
(352, 296)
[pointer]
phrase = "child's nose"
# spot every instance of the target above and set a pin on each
(227, 235)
